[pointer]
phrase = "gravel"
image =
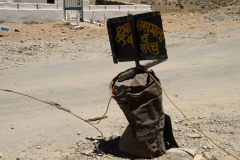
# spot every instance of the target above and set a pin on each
(216, 125)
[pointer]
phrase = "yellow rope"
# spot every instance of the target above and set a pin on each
(60, 107)
(189, 119)
(104, 115)
(181, 113)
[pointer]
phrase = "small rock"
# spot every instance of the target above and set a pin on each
(38, 147)
(12, 127)
(99, 153)
(140, 80)
(206, 155)
(76, 27)
(78, 133)
(209, 146)
(194, 136)
(64, 38)
(65, 155)
(176, 129)
(204, 147)
(87, 152)
(16, 30)
(114, 136)
(223, 158)
(98, 158)
(211, 130)
(0, 155)
(184, 153)
(172, 157)
(70, 147)
(199, 157)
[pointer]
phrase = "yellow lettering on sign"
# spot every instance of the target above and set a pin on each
(124, 37)
(150, 28)
(144, 38)
(123, 34)
(154, 48)
(150, 47)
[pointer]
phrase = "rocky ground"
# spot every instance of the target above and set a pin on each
(39, 42)
(58, 41)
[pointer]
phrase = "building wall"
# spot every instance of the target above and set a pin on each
(30, 15)
(20, 12)
(30, 1)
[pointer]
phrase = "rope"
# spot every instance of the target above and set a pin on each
(62, 108)
(104, 115)
(188, 118)
(100, 118)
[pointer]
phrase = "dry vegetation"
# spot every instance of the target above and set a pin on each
(191, 5)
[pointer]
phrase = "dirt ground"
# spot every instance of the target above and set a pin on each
(40, 56)
(172, 22)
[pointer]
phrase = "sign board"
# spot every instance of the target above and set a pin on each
(141, 33)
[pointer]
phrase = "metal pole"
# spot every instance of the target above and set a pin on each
(92, 17)
(81, 18)
(78, 13)
(78, 18)
(105, 20)
(64, 9)
(134, 42)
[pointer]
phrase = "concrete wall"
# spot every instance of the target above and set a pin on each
(30, 15)
(117, 7)
(29, 6)
(99, 15)
(20, 12)
(30, 1)
(24, 6)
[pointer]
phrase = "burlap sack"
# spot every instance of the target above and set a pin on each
(142, 106)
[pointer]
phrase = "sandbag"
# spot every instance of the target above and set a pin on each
(140, 99)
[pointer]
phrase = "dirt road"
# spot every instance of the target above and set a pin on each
(201, 76)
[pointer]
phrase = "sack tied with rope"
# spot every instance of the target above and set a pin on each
(140, 99)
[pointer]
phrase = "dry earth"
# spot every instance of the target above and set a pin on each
(39, 44)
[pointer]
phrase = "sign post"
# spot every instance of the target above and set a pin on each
(134, 42)
(137, 37)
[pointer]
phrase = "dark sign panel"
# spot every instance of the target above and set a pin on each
(149, 37)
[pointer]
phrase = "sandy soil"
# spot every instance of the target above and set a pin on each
(52, 61)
